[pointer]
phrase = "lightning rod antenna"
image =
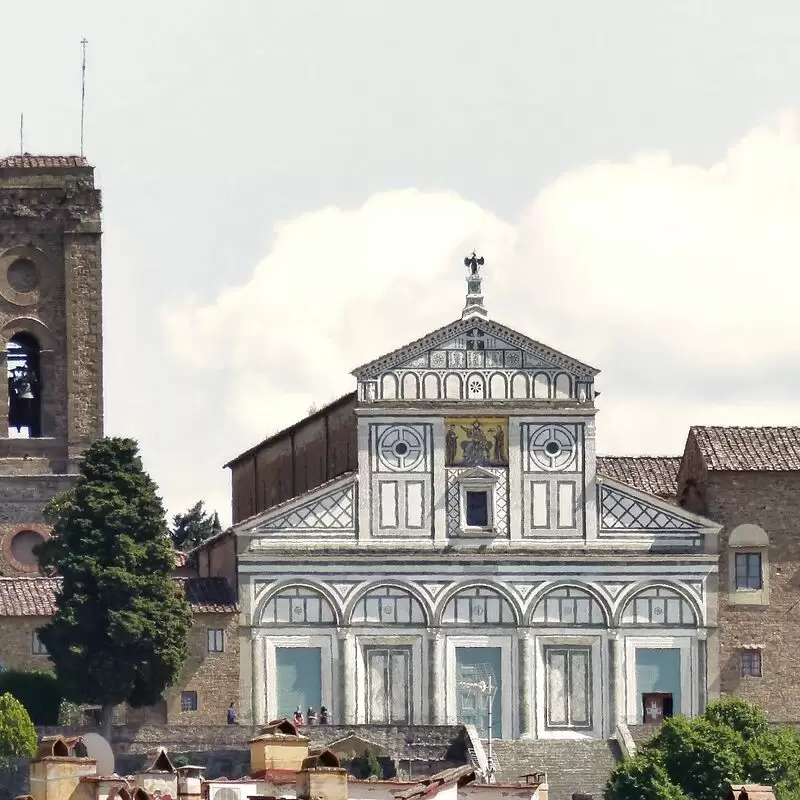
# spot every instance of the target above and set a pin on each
(84, 42)
(21, 145)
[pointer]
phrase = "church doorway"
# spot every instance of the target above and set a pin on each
(479, 689)
(658, 683)
(298, 679)
(388, 685)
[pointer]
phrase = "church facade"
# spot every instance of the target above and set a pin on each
(439, 547)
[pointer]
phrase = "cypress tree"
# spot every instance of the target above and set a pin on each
(119, 633)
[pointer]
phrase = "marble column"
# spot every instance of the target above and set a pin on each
(259, 683)
(348, 666)
(617, 675)
(526, 685)
(438, 682)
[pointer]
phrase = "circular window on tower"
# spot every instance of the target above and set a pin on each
(20, 547)
(23, 276)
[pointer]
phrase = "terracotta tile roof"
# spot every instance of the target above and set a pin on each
(210, 595)
(28, 597)
(36, 596)
(28, 161)
(656, 475)
(748, 449)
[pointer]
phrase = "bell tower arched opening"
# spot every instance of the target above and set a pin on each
(23, 359)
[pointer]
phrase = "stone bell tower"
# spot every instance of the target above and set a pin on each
(50, 340)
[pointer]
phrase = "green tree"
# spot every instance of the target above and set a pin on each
(699, 756)
(194, 527)
(739, 714)
(120, 627)
(17, 734)
(641, 778)
(37, 690)
(730, 742)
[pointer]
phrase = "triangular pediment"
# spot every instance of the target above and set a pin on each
(502, 348)
(623, 508)
(477, 474)
(330, 508)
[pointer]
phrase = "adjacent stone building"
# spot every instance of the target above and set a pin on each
(51, 336)
(442, 542)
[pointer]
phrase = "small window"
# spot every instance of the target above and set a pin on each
(751, 663)
(216, 640)
(38, 648)
(748, 571)
(477, 509)
(188, 701)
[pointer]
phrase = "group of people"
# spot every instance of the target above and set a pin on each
(311, 717)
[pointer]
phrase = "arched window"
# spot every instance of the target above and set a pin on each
(659, 606)
(478, 606)
(568, 605)
(298, 605)
(388, 605)
(24, 386)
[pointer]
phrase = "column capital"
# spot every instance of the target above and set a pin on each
(345, 634)
(525, 634)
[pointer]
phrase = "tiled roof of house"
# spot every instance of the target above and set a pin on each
(656, 475)
(28, 161)
(36, 596)
(748, 449)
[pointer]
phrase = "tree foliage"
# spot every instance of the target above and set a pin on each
(194, 527)
(37, 690)
(17, 734)
(642, 778)
(120, 626)
(696, 758)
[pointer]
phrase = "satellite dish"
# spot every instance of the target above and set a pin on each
(100, 750)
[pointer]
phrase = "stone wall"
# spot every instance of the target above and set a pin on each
(770, 500)
(50, 235)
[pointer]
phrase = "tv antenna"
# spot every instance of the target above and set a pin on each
(84, 42)
(21, 146)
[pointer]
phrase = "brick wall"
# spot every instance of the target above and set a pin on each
(214, 676)
(16, 635)
(315, 450)
(770, 500)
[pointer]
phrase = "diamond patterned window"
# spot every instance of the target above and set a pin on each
(568, 606)
(659, 606)
(388, 606)
(479, 606)
(620, 511)
(298, 606)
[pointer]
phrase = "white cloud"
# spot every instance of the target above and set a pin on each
(656, 272)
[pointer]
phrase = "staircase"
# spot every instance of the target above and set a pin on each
(572, 765)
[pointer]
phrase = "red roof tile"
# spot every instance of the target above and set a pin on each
(748, 449)
(28, 161)
(657, 475)
(36, 596)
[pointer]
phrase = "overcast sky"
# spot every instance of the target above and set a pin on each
(290, 188)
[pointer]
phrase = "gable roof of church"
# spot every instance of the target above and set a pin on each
(441, 335)
(656, 475)
(751, 449)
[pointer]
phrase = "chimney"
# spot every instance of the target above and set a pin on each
(322, 782)
(321, 776)
(54, 773)
(190, 782)
(278, 747)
